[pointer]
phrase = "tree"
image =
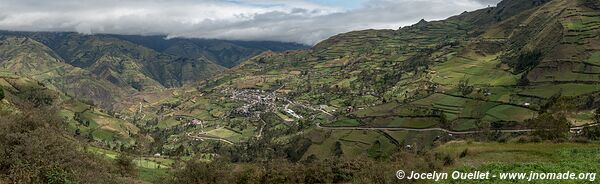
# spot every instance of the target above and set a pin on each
(125, 164)
(217, 171)
(375, 151)
(57, 175)
(36, 149)
(592, 133)
(597, 115)
(526, 61)
(552, 100)
(1, 93)
(37, 97)
(551, 127)
(589, 102)
(593, 4)
(444, 120)
(523, 81)
(464, 87)
(563, 105)
(337, 151)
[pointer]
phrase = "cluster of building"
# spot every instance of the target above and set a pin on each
(255, 101)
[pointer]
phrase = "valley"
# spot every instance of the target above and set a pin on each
(508, 88)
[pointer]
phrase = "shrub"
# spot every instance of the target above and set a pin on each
(464, 153)
(1, 93)
(37, 97)
(597, 115)
(217, 171)
(35, 149)
(593, 4)
(58, 176)
(465, 88)
(125, 165)
(337, 151)
(523, 81)
(549, 127)
(448, 160)
(526, 61)
(592, 133)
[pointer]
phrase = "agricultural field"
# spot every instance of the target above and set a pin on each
(353, 143)
(510, 113)
(406, 122)
(566, 90)
(150, 169)
(479, 70)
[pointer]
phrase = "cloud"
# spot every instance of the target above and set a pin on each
(302, 21)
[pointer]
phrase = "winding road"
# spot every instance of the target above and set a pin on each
(441, 129)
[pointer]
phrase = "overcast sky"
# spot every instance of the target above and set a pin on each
(302, 21)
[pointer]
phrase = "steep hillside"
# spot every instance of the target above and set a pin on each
(124, 62)
(27, 57)
(149, 62)
(45, 137)
(82, 119)
(104, 68)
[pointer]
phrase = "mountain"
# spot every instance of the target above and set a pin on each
(103, 68)
(223, 52)
(25, 57)
(498, 68)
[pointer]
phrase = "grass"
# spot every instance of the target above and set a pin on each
(457, 107)
(480, 70)
(398, 135)
(379, 110)
(582, 118)
(168, 123)
(223, 133)
(570, 76)
(152, 175)
(511, 113)
(513, 157)
(442, 100)
(345, 122)
(594, 58)
(145, 162)
(150, 169)
(568, 90)
(464, 125)
(354, 143)
(413, 122)
(283, 116)
(510, 153)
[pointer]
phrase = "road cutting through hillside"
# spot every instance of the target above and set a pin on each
(441, 129)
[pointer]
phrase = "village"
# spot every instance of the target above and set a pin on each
(260, 101)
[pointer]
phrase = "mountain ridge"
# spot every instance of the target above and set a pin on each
(523, 71)
(115, 63)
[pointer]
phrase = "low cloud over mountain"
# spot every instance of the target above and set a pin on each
(303, 21)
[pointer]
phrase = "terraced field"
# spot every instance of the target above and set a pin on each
(478, 69)
(510, 113)
(514, 157)
(352, 143)
(567, 90)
